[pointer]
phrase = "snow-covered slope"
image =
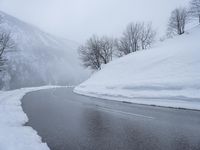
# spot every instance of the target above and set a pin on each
(39, 58)
(170, 71)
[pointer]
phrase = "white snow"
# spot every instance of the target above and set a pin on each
(167, 75)
(13, 134)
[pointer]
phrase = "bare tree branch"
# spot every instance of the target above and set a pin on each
(195, 9)
(5, 43)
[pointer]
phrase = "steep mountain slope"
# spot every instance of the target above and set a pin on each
(39, 58)
(169, 71)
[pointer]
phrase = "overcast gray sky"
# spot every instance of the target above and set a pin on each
(79, 19)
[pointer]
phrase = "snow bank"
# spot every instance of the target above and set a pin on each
(167, 75)
(13, 135)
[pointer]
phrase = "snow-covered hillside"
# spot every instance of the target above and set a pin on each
(39, 58)
(170, 71)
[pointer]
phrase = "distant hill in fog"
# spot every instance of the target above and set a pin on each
(39, 58)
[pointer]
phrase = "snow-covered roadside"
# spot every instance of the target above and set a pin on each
(186, 99)
(166, 75)
(13, 134)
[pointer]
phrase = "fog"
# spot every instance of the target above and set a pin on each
(79, 19)
(37, 58)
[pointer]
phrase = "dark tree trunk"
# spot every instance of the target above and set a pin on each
(199, 19)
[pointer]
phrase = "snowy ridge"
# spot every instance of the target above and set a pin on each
(38, 58)
(167, 75)
(13, 134)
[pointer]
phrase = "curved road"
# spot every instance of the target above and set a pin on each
(67, 121)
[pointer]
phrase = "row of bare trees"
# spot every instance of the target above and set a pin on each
(137, 36)
(100, 50)
(181, 16)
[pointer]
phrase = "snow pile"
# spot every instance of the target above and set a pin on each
(13, 135)
(38, 58)
(167, 75)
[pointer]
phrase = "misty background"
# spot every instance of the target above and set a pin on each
(78, 19)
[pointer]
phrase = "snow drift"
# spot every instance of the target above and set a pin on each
(38, 58)
(167, 75)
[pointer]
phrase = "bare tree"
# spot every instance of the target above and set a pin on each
(147, 36)
(177, 21)
(131, 38)
(132, 34)
(90, 53)
(195, 9)
(137, 36)
(6, 44)
(96, 51)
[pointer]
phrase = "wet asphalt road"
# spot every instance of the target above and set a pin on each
(67, 121)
